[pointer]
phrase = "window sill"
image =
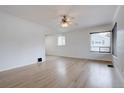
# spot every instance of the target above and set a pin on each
(100, 52)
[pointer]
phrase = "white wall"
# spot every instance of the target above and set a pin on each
(119, 60)
(77, 44)
(21, 42)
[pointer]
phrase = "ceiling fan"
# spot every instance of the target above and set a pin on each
(66, 21)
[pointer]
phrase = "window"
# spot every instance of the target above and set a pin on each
(61, 41)
(100, 42)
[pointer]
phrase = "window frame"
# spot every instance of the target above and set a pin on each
(99, 48)
(114, 39)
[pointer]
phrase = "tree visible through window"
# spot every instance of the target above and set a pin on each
(100, 42)
(61, 40)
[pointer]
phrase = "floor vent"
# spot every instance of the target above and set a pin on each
(110, 66)
(39, 59)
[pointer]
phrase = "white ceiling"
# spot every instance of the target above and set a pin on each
(49, 16)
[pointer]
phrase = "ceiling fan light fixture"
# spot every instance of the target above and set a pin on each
(66, 21)
(64, 24)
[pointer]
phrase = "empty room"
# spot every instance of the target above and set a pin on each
(61, 46)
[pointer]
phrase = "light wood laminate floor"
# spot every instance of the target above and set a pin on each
(62, 72)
